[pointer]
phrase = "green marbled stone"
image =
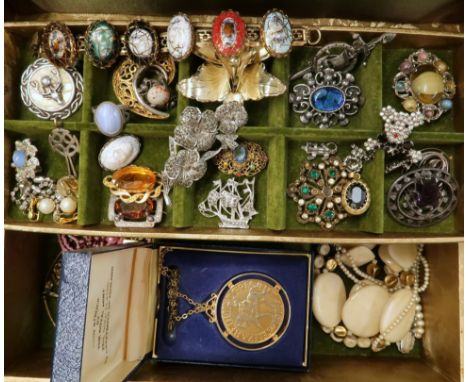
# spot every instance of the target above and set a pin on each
(103, 43)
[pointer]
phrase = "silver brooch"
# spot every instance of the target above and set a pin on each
(426, 195)
(328, 94)
(192, 144)
(31, 188)
(51, 92)
(232, 203)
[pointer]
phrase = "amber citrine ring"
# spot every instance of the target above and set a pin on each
(134, 184)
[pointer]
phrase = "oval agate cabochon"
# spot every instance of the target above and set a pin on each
(327, 99)
(228, 33)
(277, 33)
(102, 44)
(180, 37)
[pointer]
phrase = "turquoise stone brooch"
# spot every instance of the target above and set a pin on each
(102, 44)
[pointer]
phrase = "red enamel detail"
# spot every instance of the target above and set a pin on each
(217, 35)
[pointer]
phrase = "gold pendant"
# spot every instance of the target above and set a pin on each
(252, 311)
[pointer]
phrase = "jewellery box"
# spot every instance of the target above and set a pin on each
(115, 306)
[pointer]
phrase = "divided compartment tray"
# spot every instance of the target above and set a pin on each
(271, 123)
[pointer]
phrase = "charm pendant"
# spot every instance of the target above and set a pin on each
(425, 196)
(51, 92)
(251, 310)
(425, 85)
(326, 192)
(232, 203)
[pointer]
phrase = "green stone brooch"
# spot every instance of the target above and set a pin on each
(326, 192)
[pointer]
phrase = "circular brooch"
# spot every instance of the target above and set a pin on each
(141, 42)
(326, 98)
(180, 37)
(247, 159)
(51, 92)
(276, 33)
(59, 45)
(326, 192)
(424, 196)
(425, 84)
(228, 33)
(102, 44)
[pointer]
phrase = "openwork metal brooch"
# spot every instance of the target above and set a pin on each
(326, 192)
(232, 203)
(426, 195)
(328, 94)
(247, 159)
(193, 141)
(51, 92)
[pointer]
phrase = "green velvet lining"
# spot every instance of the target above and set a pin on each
(271, 123)
(90, 186)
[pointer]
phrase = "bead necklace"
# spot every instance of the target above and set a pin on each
(401, 288)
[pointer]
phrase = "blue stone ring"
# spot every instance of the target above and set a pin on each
(326, 98)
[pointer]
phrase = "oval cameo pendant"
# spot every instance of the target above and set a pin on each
(252, 311)
(59, 45)
(51, 92)
(102, 44)
(277, 34)
(228, 33)
(180, 37)
(141, 42)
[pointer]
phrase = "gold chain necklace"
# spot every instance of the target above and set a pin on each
(251, 310)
